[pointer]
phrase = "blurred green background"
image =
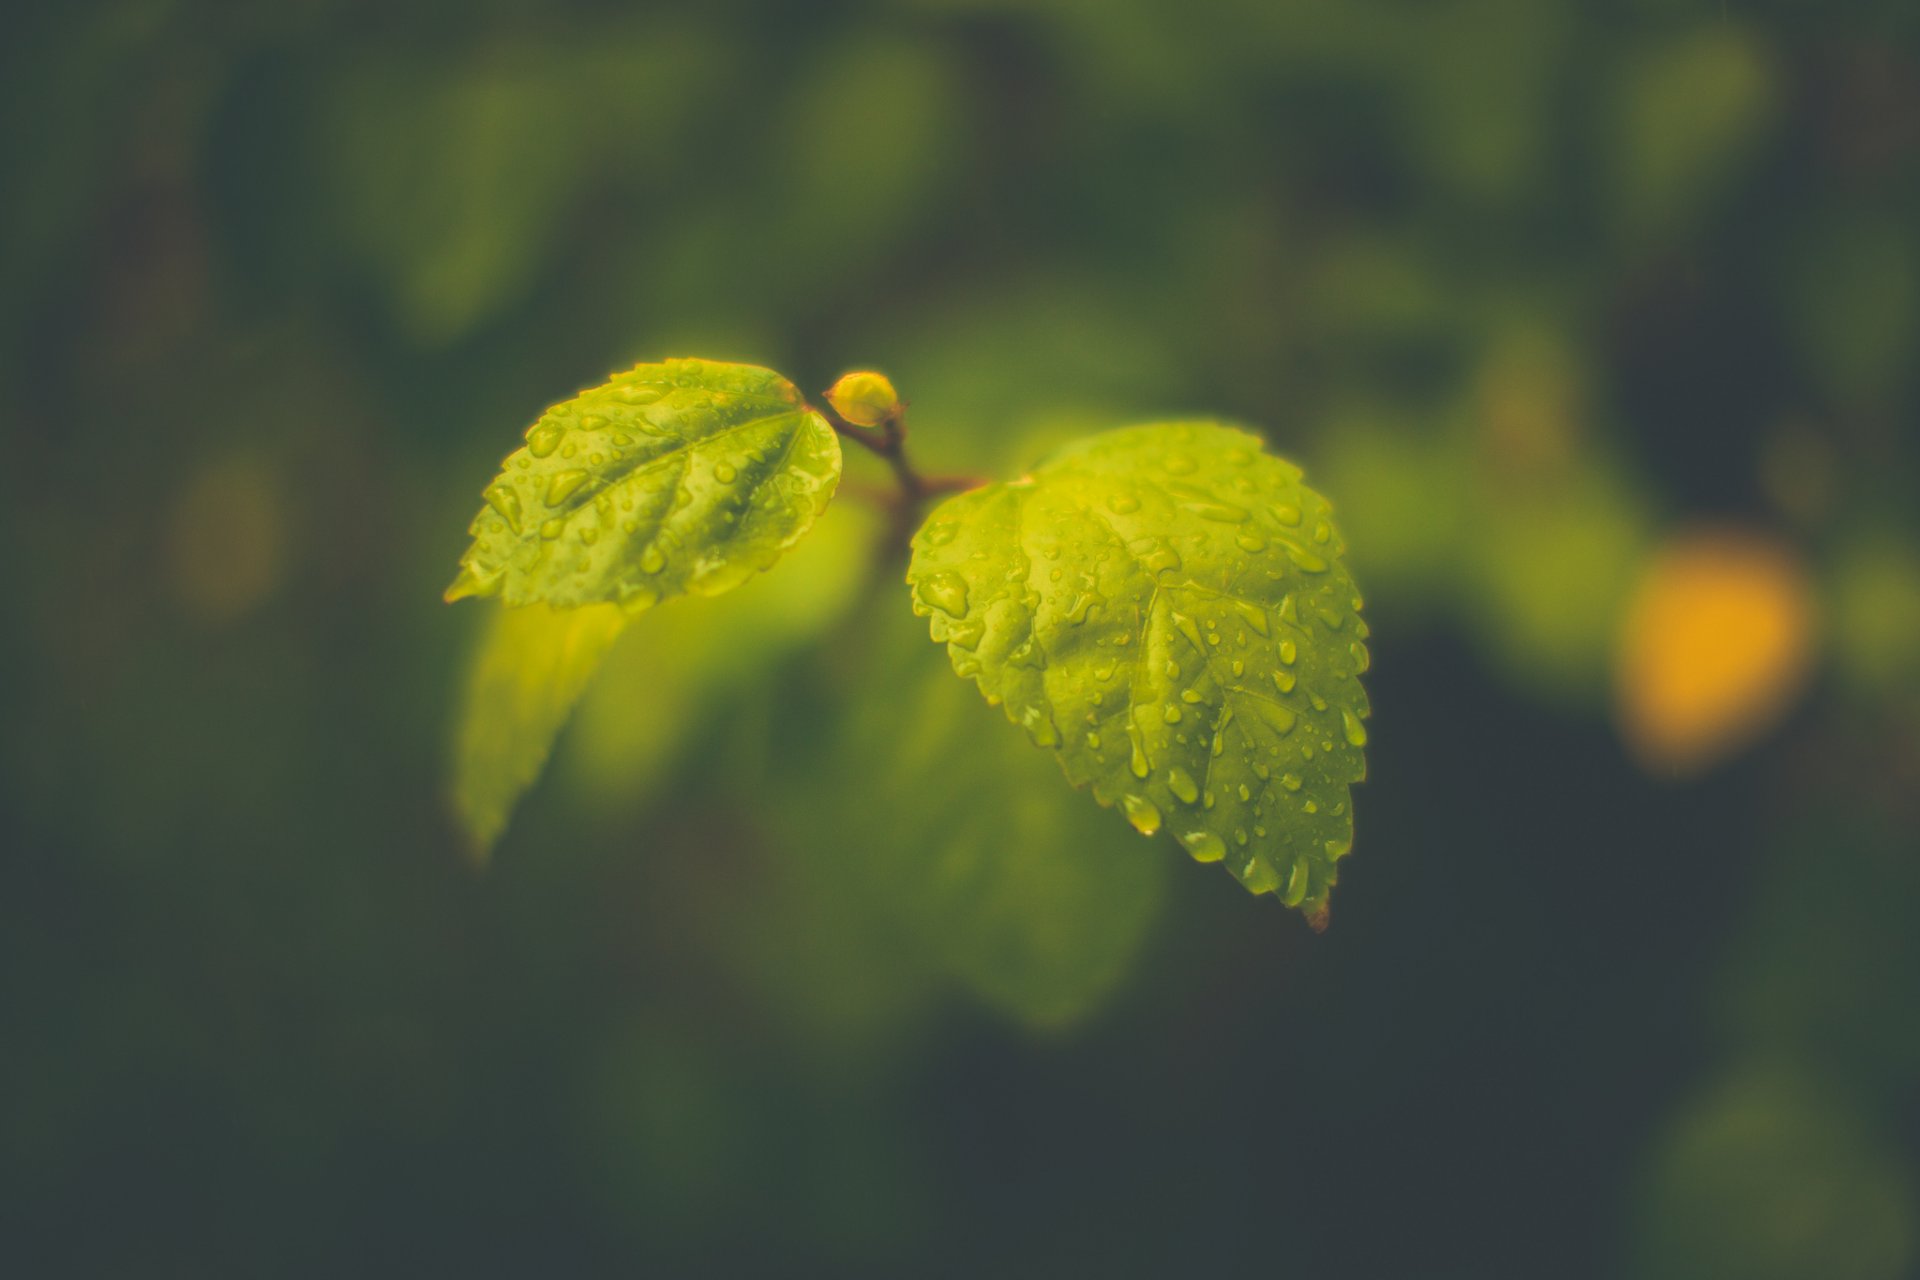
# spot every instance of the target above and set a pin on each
(1615, 985)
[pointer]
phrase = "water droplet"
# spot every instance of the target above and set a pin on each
(939, 534)
(1356, 732)
(1284, 679)
(1296, 884)
(1093, 742)
(505, 500)
(1250, 541)
(1306, 559)
(544, 438)
(1260, 877)
(1281, 718)
(724, 472)
(1222, 512)
(1183, 785)
(1291, 781)
(1124, 504)
(1288, 652)
(946, 592)
(1141, 813)
(1140, 765)
(553, 528)
(563, 485)
(652, 560)
(1286, 513)
(1205, 846)
(1171, 713)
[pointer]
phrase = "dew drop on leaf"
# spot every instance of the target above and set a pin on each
(1205, 846)
(563, 485)
(1142, 813)
(946, 592)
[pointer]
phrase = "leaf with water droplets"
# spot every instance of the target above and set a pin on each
(1166, 609)
(680, 478)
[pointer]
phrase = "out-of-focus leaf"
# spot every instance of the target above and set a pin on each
(1769, 1177)
(683, 477)
(978, 863)
(1875, 607)
(451, 181)
(1688, 114)
(1403, 502)
(1550, 561)
(1479, 120)
(1855, 295)
(1165, 609)
(859, 174)
(681, 667)
(532, 665)
(1808, 937)
(1716, 641)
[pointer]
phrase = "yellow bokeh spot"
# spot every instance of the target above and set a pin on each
(1716, 642)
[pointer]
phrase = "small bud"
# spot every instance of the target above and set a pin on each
(865, 398)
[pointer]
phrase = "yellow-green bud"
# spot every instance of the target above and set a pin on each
(865, 398)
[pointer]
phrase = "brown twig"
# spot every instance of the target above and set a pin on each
(888, 441)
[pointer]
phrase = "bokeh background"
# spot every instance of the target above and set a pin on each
(1597, 321)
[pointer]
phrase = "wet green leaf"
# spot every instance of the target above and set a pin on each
(1165, 609)
(669, 479)
(532, 666)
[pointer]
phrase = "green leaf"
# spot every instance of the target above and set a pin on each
(675, 478)
(532, 665)
(1165, 608)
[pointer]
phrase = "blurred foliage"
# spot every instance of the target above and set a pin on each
(1769, 1177)
(1528, 286)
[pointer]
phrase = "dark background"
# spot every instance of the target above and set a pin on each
(1530, 287)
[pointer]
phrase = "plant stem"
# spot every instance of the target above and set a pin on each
(888, 441)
